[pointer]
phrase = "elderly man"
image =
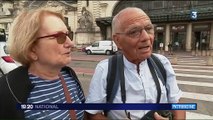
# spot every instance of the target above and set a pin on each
(133, 33)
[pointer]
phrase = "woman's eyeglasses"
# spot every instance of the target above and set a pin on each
(60, 37)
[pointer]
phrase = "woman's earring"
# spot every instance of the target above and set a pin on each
(35, 58)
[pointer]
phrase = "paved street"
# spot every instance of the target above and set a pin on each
(193, 76)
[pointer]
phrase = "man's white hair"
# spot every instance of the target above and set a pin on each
(116, 24)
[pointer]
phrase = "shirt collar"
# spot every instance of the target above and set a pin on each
(131, 65)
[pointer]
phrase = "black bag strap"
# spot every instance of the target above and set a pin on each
(112, 80)
(116, 74)
(114, 77)
(152, 70)
(161, 71)
(120, 66)
(111, 77)
(159, 68)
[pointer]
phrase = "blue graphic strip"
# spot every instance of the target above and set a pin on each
(114, 106)
(186, 106)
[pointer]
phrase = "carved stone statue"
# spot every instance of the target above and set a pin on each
(86, 20)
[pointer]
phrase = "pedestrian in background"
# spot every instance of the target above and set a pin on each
(133, 33)
(39, 40)
(170, 48)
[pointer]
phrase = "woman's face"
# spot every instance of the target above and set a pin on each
(50, 48)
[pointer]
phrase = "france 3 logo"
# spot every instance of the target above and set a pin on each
(193, 14)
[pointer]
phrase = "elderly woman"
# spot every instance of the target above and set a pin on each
(39, 40)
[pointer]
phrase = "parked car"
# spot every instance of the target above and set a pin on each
(6, 62)
(102, 47)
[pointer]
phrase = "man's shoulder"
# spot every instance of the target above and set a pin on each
(164, 60)
(103, 63)
(160, 57)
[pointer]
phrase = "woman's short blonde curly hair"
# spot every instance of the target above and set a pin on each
(23, 33)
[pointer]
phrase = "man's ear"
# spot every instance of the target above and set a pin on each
(117, 41)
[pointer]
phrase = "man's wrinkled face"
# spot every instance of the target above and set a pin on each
(135, 36)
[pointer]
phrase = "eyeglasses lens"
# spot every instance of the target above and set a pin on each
(61, 38)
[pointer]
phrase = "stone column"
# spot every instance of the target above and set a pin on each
(211, 40)
(109, 33)
(167, 37)
(189, 37)
(210, 57)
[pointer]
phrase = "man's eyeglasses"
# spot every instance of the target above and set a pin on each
(60, 37)
(136, 32)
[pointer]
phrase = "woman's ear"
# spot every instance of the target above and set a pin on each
(117, 41)
(32, 54)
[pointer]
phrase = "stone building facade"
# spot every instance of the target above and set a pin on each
(187, 25)
(80, 16)
(9, 10)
